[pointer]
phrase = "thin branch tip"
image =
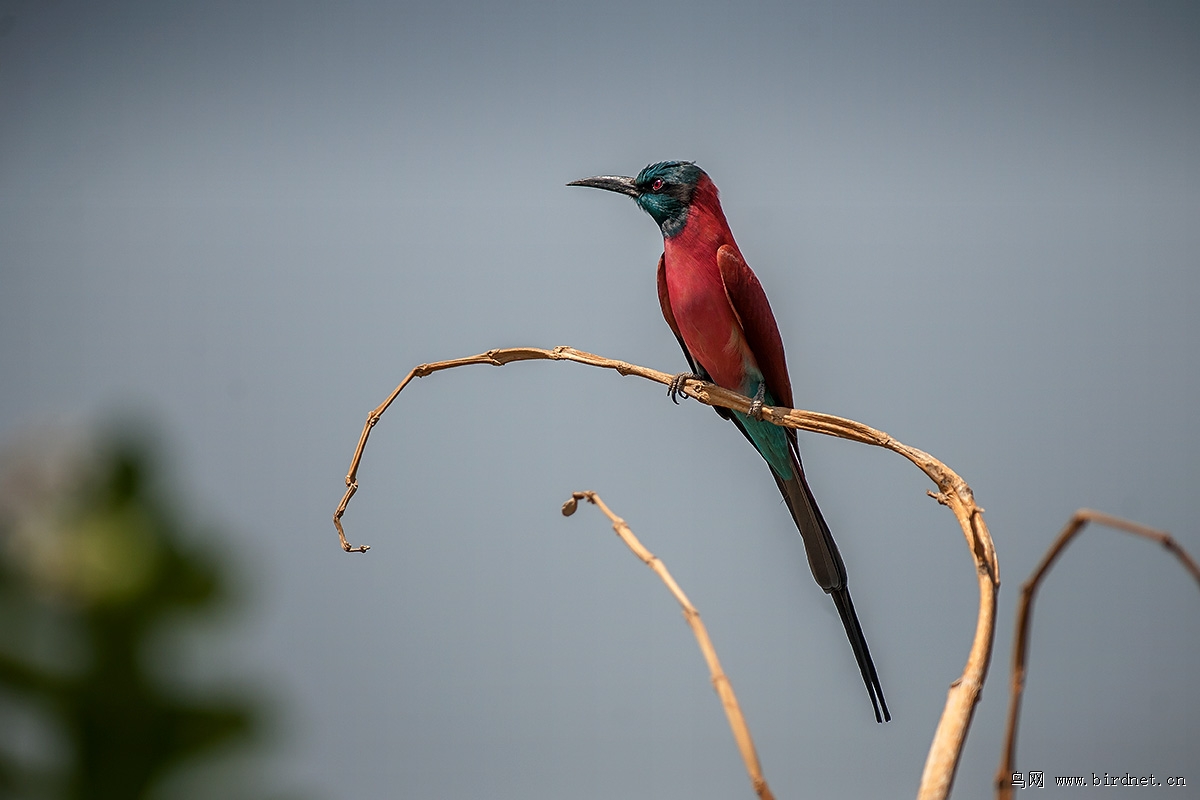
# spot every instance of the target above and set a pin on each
(569, 507)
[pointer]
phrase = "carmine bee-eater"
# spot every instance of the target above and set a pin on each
(719, 313)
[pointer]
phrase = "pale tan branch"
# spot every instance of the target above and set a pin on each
(720, 682)
(1075, 526)
(953, 492)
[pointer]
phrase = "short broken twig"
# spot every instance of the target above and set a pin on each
(733, 712)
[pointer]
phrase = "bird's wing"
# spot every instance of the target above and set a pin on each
(749, 303)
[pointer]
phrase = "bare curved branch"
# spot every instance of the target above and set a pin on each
(1075, 526)
(953, 492)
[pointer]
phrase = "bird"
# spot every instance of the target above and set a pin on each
(719, 313)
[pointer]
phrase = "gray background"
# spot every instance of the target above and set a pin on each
(979, 231)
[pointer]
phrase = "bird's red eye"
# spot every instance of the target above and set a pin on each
(658, 184)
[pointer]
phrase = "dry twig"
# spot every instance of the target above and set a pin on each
(737, 723)
(953, 492)
(1075, 526)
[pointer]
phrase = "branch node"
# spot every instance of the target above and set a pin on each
(941, 497)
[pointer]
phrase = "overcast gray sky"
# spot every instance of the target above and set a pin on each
(978, 227)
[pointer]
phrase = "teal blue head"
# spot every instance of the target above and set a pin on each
(663, 190)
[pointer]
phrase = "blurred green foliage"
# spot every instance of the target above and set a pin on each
(94, 566)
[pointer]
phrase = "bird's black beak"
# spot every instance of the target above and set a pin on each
(613, 183)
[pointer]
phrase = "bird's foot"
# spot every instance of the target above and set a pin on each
(756, 405)
(676, 387)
